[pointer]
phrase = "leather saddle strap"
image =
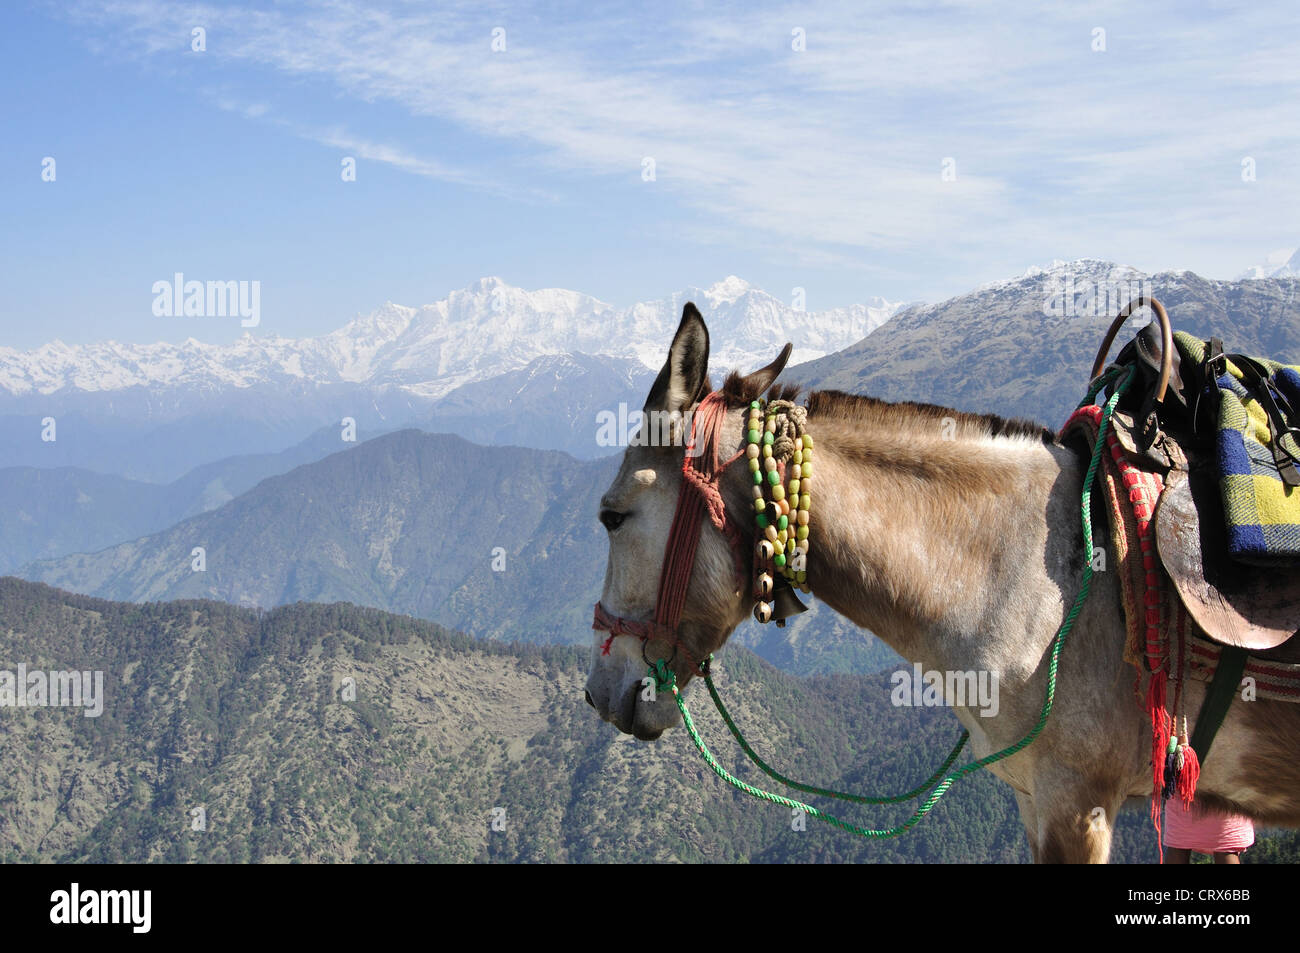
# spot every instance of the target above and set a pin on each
(1227, 678)
(1256, 379)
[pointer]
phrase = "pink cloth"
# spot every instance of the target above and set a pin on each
(1205, 832)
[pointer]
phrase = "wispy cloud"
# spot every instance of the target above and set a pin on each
(835, 150)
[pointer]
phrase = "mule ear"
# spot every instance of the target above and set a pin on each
(685, 375)
(759, 381)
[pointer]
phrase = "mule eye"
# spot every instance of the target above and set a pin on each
(612, 519)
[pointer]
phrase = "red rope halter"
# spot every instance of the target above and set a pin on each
(702, 468)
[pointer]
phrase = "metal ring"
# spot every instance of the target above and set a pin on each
(668, 661)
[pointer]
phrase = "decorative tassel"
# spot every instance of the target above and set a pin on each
(1161, 730)
(1173, 762)
(1191, 768)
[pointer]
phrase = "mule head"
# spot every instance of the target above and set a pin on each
(637, 511)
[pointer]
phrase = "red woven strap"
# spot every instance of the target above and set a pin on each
(617, 625)
(700, 494)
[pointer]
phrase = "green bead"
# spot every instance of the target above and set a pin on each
(781, 522)
(755, 405)
(806, 470)
(769, 438)
(779, 560)
(773, 477)
(758, 476)
(752, 436)
(761, 520)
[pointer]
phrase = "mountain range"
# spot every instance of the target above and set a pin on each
(502, 542)
(491, 362)
(479, 332)
(329, 733)
(1024, 347)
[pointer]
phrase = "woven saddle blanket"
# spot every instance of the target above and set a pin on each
(1162, 639)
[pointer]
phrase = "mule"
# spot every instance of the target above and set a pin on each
(956, 538)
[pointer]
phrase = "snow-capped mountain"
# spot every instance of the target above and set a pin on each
(1283, 263)
(479, 332)
(1024, 347)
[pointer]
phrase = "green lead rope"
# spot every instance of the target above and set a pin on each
(824, 792)
(666, 680)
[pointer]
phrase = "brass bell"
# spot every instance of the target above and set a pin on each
(763, 611)
(786, 603)
(765, 549)
(764, 585)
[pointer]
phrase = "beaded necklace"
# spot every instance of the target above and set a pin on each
(775, 437)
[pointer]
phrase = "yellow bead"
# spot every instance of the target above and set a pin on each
(753, 465)
(797, 458)
(793, 488)
(806, 471)
(805, 501)
(778, 492)
(759, 505)
(801, 533)
(807, 442)
(781, 536)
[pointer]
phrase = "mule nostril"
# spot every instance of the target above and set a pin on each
(589, 701)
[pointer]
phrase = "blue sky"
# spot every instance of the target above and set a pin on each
(818, 168)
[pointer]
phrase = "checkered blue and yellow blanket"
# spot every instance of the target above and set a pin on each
(1262, 512)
